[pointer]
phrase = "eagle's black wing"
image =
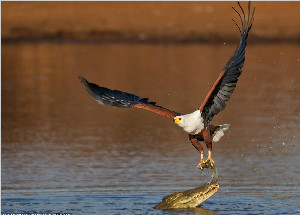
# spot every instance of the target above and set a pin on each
(224, 86)
(121, 99)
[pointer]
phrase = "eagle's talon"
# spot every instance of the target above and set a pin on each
(210, 161)
(201, 164)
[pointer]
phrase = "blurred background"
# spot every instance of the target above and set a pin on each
(63, 152)
(146, 21)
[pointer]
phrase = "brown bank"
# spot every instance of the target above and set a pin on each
(146, 21)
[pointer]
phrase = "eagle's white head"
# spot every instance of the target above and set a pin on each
(192, 123)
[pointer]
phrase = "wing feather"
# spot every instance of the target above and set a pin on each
(225, 84)
(121, 99)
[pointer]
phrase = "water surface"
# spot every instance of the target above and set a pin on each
(62, 152)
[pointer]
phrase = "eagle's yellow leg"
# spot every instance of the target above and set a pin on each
(202, 162)
(209, 159)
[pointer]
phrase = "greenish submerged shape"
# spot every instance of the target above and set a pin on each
(193, 197)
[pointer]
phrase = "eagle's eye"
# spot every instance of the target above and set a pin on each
(179, 118)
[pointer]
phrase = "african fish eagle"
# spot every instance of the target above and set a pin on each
(197, 123)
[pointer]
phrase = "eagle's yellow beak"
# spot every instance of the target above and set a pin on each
(177, 120)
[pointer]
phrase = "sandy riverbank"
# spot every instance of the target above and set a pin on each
(146, 21)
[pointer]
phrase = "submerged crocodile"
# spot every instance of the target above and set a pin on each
(193, 197)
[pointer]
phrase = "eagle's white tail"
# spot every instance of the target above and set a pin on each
(220, 132)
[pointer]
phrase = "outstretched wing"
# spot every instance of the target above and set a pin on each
(121, 99)
(225, 84)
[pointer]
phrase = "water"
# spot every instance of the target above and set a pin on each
(62, 152)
